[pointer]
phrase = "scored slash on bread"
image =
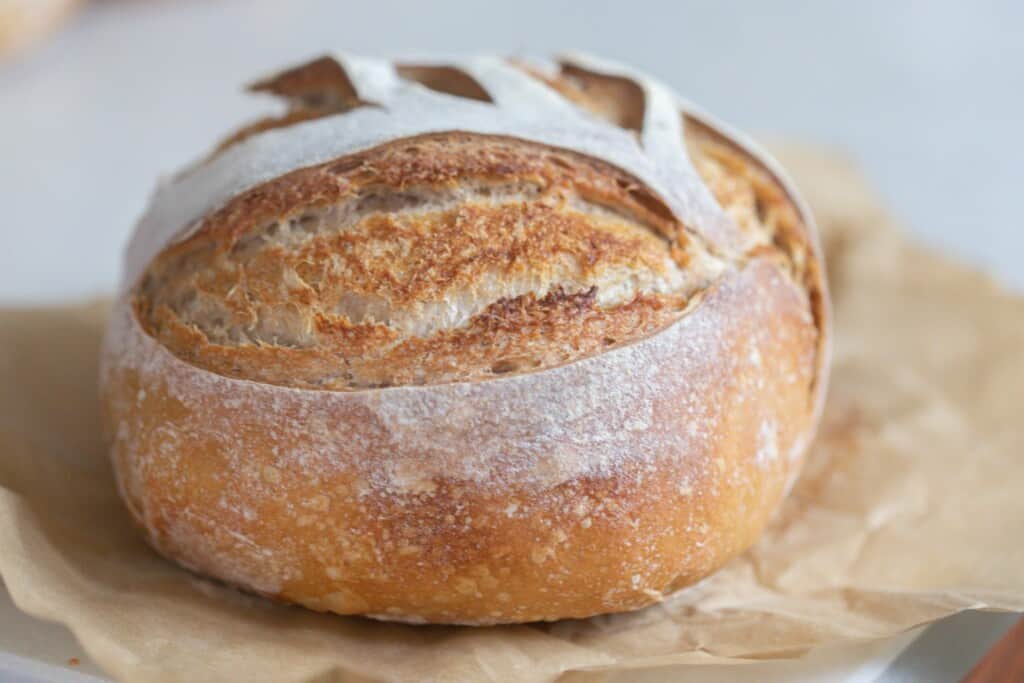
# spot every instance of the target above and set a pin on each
(378, 277)
(445, 339)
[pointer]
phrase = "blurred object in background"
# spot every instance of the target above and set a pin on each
(23, 22)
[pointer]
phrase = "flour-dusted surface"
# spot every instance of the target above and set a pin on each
(863, 547)
(425, 500)
(456, 256)
(525, 108)
(544, 363)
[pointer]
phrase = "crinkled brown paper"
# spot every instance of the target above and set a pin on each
(910, 509)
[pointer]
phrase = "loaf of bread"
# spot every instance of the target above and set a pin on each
(474, 342)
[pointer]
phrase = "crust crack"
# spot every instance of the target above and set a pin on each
(441, 258)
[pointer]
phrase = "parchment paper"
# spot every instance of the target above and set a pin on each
(911, 507)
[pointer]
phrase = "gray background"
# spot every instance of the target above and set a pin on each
(927, 96)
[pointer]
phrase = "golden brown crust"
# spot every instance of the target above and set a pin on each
(584, 408)
(613, 98)
(444, 79)
(380, 235)
(312, 280)
(350, 504)
(320, 84)
(753, 195)
(437, 160)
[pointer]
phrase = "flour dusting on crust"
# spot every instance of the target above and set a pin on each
(525, 109)
(596, 485)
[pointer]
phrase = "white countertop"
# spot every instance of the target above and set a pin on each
(926, 96)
